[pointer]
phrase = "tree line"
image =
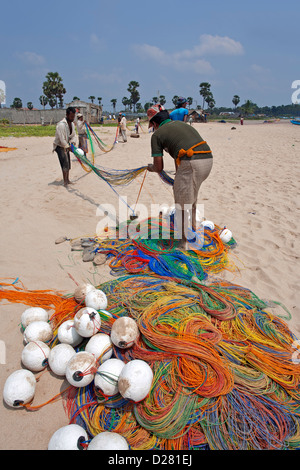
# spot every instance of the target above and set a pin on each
(54, 91)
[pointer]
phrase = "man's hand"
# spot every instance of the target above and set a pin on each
(157, 166)
(150, 167)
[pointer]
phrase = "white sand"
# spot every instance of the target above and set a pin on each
(253, 189)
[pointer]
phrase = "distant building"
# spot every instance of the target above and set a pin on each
(196, 115)
(92, 113)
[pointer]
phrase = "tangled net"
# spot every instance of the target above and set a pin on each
(224, 377)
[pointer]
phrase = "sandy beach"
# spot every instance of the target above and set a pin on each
(253, 190)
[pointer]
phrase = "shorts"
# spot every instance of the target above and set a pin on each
(64, 158)
(188, 179)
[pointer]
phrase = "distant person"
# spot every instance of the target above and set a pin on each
(242, 121)
(123, 125)
(180, 113)
(82, 134)
(65, 135)
(137, 125)
(192, 157)
(191, 120)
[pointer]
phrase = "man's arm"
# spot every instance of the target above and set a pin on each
(157, 166)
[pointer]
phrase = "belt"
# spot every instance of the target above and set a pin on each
(190, 152)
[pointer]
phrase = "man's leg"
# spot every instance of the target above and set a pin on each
(66, 177)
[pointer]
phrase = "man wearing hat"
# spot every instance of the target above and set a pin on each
(180, 113)
(193, 162)
(82, 134)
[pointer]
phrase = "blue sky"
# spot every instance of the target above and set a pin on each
(168, 46)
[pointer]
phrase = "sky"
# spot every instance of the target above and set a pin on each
(169, 47)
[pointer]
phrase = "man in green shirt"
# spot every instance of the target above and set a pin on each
(192, 157)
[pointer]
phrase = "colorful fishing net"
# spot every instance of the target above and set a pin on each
(224, 374)
(151, 251)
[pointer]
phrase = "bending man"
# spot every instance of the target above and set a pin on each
(192, 157)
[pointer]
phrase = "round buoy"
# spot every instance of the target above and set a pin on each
(87, 322)
(124, 332)
(226, 235)
(108, 441)
(35, 356)
(81, 291)
(70, 437)
(135, 380)
(96, 299)
(99, 343)
(19, 388)
(38, 331)
(79, 152)
(80, 369)
(59, 357)
(33, 314)
(68, 334)
(107, 375)
(208, 224)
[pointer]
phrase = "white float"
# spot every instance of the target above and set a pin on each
(108, 441)
(79, 152)
(80, 369)
(208, 224)
(34, 314)
(135, 380)
(96, 299)
(87, 322)
(59, 357)
(68, 437)
(68, 334)
(81, 291)
(19, 388)
(97, 344)
(225, 235)
(38, 331)
(124, 332)
(35, 356)
(107, 375)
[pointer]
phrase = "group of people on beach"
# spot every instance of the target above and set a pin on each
(171, 133)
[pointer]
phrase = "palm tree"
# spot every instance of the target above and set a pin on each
(92, 98)
(29, 105)
(125, 101)
(17, 103)
(175, 99)
(134, 93)
(155, 99)
(248, 107)
(190, 101)
(52, 102)
(204, 91)
(162, 100)
(75, 98)
(114, 102)
(53, 87)
(43, 100)
(236, 100)
(99, 100)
